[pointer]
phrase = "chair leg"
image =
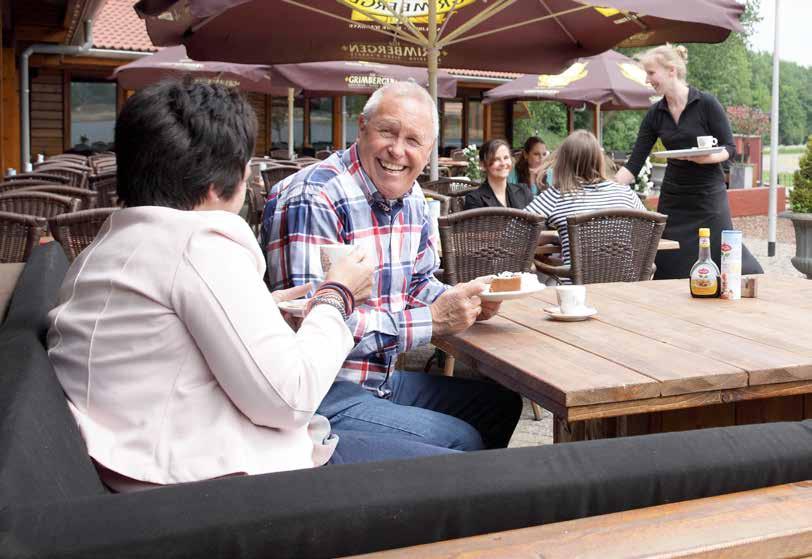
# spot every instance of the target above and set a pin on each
(448, 369)
(536, 410)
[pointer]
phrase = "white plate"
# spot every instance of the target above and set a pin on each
(294, 308)
(556, 314)
(530, 285)
(690, 152)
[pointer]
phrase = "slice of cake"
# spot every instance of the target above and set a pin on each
(507, 281)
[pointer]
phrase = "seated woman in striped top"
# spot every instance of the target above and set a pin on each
(580, 186)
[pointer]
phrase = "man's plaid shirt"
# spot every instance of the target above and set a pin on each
(336, 202)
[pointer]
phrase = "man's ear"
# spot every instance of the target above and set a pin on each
(362, 123)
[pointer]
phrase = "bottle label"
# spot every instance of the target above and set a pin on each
(704, 280)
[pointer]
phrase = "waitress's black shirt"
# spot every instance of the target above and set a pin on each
(703, 116)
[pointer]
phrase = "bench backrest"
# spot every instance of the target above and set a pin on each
(43, 457)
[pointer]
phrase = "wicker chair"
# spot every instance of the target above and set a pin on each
(76, 175)
(457, 154)
(609, 246)
(445, 201)
(87, 198)
(281, 153)
(454, 188)
(40, 204)
(11, 186)
(40, 177)
(105, 185)
(19, 234)
(255, 196)
(273, 175)
(323, 154)
(487, 241)
(75, 231)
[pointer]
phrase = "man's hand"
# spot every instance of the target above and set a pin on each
(456, 309)
(489, 310)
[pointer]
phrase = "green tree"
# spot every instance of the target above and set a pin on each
(800, 198)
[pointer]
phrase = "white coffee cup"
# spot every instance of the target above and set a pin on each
(706, 141)
(330, 254)
(571, 298)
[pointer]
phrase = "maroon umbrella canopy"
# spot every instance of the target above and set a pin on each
(614, 81)
(529, 36)
(355, 78)
(172, 62)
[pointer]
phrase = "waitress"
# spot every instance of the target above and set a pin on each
(693, 193)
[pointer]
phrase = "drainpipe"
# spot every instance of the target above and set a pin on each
(25, 89)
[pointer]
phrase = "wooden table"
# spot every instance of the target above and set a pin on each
(653, 359)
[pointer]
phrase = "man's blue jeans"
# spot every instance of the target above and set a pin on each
(448, 412)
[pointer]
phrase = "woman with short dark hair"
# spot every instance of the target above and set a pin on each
(496, 191)
(175, 359)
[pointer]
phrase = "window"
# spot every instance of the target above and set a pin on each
(476, 121)
(321, 122)
(354, 105)
(452, 124)
(279, 123)
(92, 115)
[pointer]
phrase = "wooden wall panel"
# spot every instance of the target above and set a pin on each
(47, 112)
(9, 112)
(498, 121)
(257, 101)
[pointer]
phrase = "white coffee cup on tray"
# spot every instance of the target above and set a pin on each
(706, 142)
(330, 254)
(571, 298)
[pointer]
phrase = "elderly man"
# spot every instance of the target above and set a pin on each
(367, 196)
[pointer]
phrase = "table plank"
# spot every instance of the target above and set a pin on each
(678, 371)
(548, 367)
(769, 522)
(778, 325)
(762, 362)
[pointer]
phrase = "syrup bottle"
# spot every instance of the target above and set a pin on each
(705, 276)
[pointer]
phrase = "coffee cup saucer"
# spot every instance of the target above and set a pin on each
(582, 314)
(294, 307)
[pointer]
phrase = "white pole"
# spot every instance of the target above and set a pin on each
(290, 123)
(433, 54)
(598, 124)
(773, 202)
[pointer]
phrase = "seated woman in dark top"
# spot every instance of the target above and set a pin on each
(496, 191)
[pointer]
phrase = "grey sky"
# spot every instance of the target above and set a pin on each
(794, 31)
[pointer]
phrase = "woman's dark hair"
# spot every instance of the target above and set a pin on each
(487, 152)
(176, 138)
(522, 165)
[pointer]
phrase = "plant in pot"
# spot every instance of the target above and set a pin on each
(800, 201)
(747, 122)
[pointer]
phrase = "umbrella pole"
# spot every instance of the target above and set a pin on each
(597, 124)
(432, 52)
(290, 123)
(570, 119)
(772, 202)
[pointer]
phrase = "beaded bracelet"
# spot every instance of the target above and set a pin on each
(343, 290)
(325, 299)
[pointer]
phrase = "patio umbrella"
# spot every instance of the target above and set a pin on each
(172, 62)
(608, 81)
(318, 79)
(509, 35)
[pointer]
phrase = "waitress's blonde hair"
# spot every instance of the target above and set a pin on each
(667, 56)
(578, 161)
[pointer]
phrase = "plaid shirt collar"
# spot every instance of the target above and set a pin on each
(352, 161)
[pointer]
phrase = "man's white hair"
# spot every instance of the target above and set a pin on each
(402, 89)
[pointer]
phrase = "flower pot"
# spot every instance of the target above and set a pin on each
(741, 175)
(802, 261)
(658, 174)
